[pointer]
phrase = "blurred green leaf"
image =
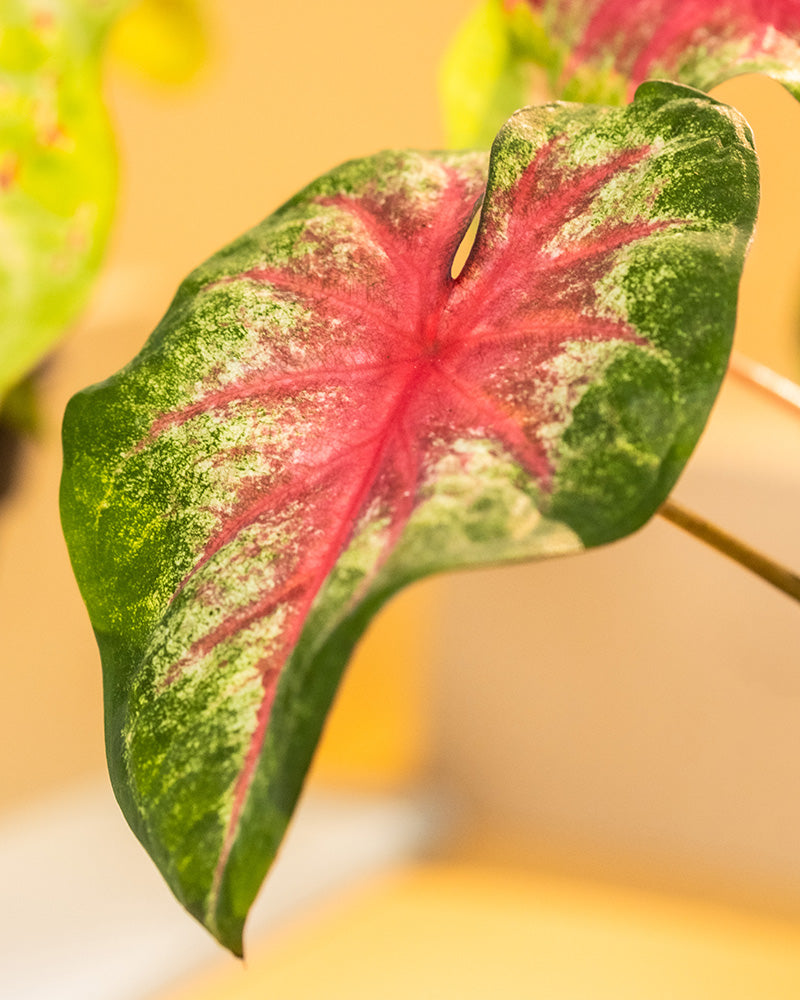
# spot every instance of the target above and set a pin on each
(57, 157)
(486, 73)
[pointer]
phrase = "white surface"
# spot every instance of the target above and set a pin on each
(86, 915)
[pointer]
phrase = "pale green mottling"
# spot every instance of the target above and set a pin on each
(477, 505)
(242, 539)
(345, 584)
(612, 296)
(57, 171)
(418, 185)
(172, 734)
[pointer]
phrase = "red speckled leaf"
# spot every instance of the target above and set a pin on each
(57, 171)
(325, 414)
(601, 50)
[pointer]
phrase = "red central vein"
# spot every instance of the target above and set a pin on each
(275, 500)
(347, 521)
(347, 518)
(270, 602)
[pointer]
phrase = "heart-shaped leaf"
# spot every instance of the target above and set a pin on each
(325, 414)
(601, 50)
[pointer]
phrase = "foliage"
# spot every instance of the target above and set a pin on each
(601, 50)
(326, 413)
(57, 158)
(57, 174)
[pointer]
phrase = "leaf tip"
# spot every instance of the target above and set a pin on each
(227, 932)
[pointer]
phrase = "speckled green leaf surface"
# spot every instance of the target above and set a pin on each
(325, 414)
(57, 170)
(601, 50)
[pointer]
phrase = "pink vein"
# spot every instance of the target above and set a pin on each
(556, 266)
(381, 235)
(324, 567)
(547, 333)
(550, 213)
(265, 505)
(531, 456)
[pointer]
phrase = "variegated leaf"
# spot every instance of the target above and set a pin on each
(325, 413)
(601, 50)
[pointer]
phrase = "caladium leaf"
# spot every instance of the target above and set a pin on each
(57, 171)
(325, 413)
(601, 50)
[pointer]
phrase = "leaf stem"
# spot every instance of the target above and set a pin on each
(780, 577)
(779, 388)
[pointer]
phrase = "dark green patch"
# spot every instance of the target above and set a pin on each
(611, 457)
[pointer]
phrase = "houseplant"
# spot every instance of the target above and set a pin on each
(506, 495)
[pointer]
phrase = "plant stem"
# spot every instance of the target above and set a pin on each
(780, 577)
(779, 388)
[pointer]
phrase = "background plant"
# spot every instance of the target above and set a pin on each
(510, 51)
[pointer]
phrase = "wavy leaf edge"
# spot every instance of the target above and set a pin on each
(325, 415)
